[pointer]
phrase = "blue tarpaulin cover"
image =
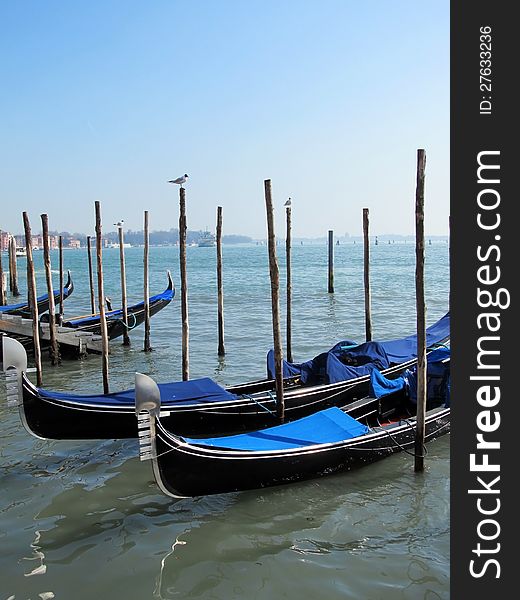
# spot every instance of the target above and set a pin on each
(399, 351)
(189, 392)
(324, 427)
(39, 299)
(438, 377)
(381, 386)
(346, 360)
(437, 373)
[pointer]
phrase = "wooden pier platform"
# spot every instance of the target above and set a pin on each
(78, 343)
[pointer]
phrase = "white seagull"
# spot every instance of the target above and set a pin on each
(119, 223)
(288, 202)
(179, 180)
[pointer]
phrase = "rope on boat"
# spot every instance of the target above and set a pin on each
(260, 404)
(440, 345)
(126, 325)
(425, 450)
(129, 327)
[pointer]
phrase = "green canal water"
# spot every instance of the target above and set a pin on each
(85, 520)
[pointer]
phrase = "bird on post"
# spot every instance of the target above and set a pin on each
(288, 202)
(179, 180)
(119, 223)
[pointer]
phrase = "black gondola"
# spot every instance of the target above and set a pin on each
(328, 441)
(116, 325)
(201, 406)
(23, 309)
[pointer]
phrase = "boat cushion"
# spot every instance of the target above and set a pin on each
(323, 427)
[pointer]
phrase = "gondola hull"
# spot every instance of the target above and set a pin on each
(56, 418)
(245, 407)
(23, 309)
(185, 470)
(116, 325)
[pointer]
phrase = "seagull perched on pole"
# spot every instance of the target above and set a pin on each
(288, 202)
(119, 223)
(179, 180)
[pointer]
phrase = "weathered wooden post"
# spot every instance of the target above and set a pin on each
(421, 311)
(10, 262)
(366, 269)
(331, 262)
(289, 279)
(184, 285)
(220, 293)
(147, 346)
(54, 352)
(275, 289)
(14, 267)
(31, 289)
(450, 261)
(2, 291)
(90, 277)
(60, 250)
(124, 305)
(101, 301)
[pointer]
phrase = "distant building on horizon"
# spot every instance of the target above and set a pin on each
(5, 237)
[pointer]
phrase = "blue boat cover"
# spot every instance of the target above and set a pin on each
(42, 298)
(399, 351)
(324, 427)
(382, 386)
(186, 393)
(438, 379)
(347, 360)
(118, 313)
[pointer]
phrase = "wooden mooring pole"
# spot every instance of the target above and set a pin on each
(146, 291)
(421, 311)
(31, 290)
(90, 276)
(14, 268)
(366, 271)
(60, 251)
(54, 352)
(275, 303)
(10, 263)
(124, 305)
(184, 285)
(289, 280)
(331, 261)
(450, 260)
(220, 292)
(101, 299)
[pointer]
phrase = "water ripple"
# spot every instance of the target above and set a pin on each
(75, 508)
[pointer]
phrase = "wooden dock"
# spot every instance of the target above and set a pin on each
(78, 343)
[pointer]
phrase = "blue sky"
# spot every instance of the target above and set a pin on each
(330, 100)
